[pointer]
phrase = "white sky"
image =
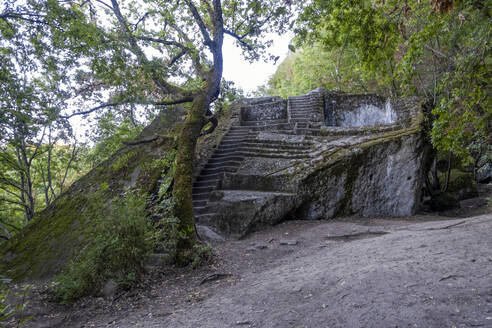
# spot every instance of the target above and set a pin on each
(250, 76)
(244, 74)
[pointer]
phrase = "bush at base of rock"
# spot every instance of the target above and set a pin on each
(463, 187)
(116, 259)
(443, 201)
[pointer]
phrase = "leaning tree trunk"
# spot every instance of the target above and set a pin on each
(183, 178)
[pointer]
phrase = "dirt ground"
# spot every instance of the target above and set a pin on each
(428, 270)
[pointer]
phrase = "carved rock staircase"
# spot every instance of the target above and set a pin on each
(242, 141)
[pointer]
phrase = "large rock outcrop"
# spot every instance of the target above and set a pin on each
(307, 157)
(315, 156)
(62, 231)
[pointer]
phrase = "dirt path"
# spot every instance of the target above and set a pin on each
(419, 275)
(350, 273)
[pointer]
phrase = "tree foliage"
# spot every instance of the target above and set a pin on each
(123, 54)
(314, 66)
(439, 50)
(34, 88)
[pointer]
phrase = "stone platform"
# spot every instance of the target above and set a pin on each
(314, 156)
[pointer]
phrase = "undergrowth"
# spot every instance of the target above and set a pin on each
(9, 310)
(121, 245)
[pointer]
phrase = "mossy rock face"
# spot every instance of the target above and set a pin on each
(444, 201)
(62, 231)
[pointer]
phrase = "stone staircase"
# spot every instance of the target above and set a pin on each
(244, 141)
(304, 113)
(227, 157)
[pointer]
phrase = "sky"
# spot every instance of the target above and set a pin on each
(249, 76)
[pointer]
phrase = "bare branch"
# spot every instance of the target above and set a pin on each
(72, 157)
(11, 201)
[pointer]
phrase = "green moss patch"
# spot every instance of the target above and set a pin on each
(61, 232)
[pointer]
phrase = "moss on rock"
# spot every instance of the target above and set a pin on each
(62, 231)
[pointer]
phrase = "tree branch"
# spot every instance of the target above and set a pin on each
(177, 57)
(180, 100)
(161, 41)
(9, 225)
(175, 101)
(21, 16)
(142, 59)
(201, 24)
(239, 38)
(93, 109)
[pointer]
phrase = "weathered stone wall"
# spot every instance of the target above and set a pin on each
(357, 110)
(275, 110)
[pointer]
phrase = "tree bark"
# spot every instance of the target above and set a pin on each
(183, 177)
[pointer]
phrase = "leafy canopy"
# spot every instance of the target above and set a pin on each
(439, 50)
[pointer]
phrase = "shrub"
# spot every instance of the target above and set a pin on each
(8, 310)
(121, 245)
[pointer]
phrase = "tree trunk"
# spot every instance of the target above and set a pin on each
(448, 175)
(183, 177)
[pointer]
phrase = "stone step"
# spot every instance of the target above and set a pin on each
(216, 165)
(205, 183)
(201, 196)
(201, 190)
(299, 112)
(199, 203)
(228, 151)
(269, 127)
(233, 139)
(279, 155)
(218, 170)
(218, 155)
(205, 177)
(225, 159)
(306, 144)
(294, 111)
(263, 122)
(225, 145)
(238, 128)
(303, 103)
(230, 143)
(306, 132)
(236, 133)
(274, 149)
(265, 145)
(301, 119)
